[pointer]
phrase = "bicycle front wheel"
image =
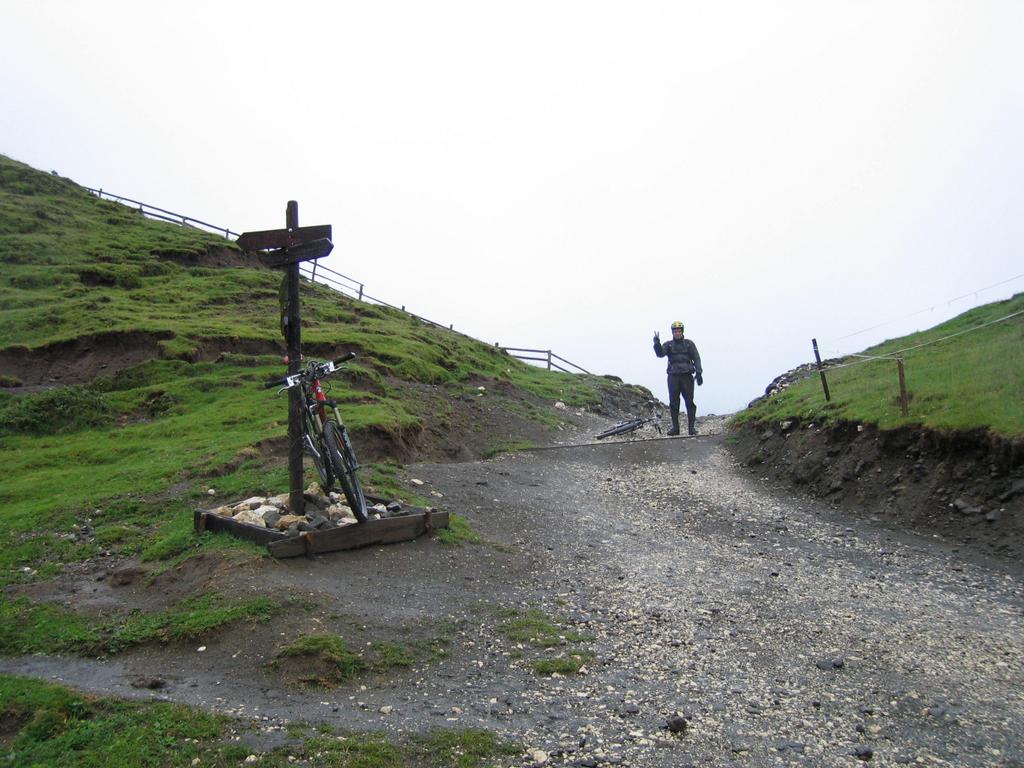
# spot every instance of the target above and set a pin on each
(344, 469)
(621, 428)
(314, 449)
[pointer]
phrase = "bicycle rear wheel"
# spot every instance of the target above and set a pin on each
(621, 428)
(343, 466)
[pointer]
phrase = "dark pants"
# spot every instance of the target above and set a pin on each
(681, 384)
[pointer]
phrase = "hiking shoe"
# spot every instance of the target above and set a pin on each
(672, 432)
(693, 432)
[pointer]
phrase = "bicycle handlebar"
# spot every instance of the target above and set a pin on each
(313, 370)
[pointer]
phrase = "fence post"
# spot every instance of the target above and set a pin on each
(821, 372)
(549, 359)
(904, 400)
(360, 291)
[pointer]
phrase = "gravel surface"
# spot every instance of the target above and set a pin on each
(727, 624)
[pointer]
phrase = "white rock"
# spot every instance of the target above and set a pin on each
(414, 481)
(539, 756)
(201, 648)
(252, 516)
(560, 405)
(386, 710)
(211, 492)
(251, 503)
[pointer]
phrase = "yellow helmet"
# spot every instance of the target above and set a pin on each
(677, 324)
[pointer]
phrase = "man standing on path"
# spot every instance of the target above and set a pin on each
(683, 368)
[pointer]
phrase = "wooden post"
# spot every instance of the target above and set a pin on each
(821, 371)
(549, 359)
(904, 400)
(296, 502)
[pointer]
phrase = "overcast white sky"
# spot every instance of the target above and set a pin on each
(569, 175)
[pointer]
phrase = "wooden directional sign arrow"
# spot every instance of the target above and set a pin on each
(282, 257)
(283, 238)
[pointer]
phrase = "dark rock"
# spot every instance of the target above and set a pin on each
(151, 683)
(807, 469)
(270, 518)
(319, 501)
(792, 746)
(676, 724)
(964, 508)
(862, 752)
(1015, 489)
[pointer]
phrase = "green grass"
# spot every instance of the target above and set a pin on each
(326, 660)
(49, 725)
(27, 627)
(972, 381)
(569, 663)
(458, 533)
(534, 629)
(336, 662)
(508, 446)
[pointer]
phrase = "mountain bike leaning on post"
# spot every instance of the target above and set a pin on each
(324, 436)
(632, 425)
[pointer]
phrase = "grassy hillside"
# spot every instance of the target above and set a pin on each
(131, 367)
(957, 378)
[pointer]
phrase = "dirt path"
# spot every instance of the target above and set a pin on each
(783, 632)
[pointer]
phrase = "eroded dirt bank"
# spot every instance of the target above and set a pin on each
(967, 487)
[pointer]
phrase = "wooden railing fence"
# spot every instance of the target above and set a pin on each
(333, 279)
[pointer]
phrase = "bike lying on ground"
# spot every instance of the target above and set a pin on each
(631, 425)
(324, 436)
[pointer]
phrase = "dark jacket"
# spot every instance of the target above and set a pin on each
(682, 356)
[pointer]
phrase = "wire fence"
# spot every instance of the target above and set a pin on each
(898, 356)
(324, 275)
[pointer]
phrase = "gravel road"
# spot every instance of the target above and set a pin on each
(767, 629)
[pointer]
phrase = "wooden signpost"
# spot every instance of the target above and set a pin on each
(286, 249)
